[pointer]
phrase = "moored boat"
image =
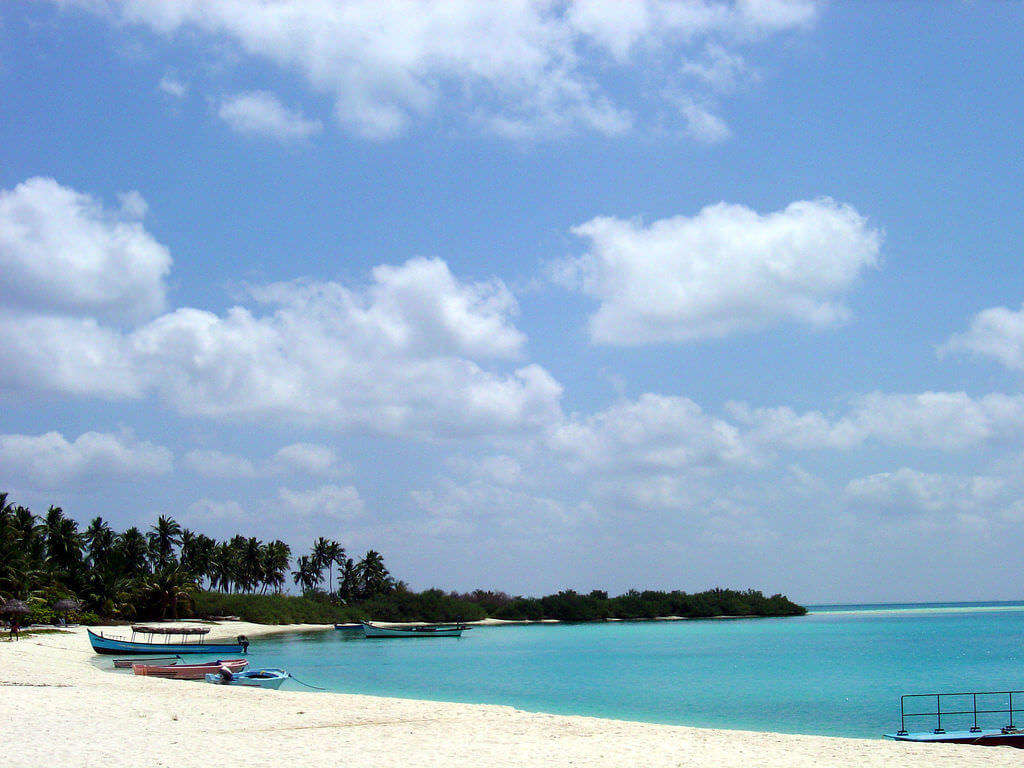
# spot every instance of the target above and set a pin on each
(963, 709)
(254, 678)
(188, 671)
(177, 640)
(127, 663)
(419, 630)
(350, 628)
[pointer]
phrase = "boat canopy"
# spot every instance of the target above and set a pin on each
(146, 630)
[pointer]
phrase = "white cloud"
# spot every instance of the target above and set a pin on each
(402, 355)
(522, 67)
(653, 432)
(910, 491)
(261, 113)
(945, 420)
(720, 69)
(211, 463)
(996, 332)
(724, 271)
(328, 501)
(63, 250)
(211, 509)
(701, 123)
(77, 356)
(307, 458)
(173, 87)
(52, 461)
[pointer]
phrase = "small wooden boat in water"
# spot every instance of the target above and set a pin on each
(254, 678)
(176, 640)
(188, 671)
(420, 630)
(350, 628)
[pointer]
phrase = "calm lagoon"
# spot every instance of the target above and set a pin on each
(839, 670)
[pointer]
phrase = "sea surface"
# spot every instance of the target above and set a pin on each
(839, 670)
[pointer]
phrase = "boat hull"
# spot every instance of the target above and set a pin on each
(372, 630)
(257, 678)
(985, 738)
(188, 671)
(113, 646)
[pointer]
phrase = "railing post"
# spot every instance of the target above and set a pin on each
(938, 713)
(1011, 710)
(903, 719)
(975, 728)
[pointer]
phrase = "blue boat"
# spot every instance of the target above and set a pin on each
(177, 640)
(964, 709)
(253, 678)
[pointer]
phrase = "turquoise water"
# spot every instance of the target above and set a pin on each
(839, 670)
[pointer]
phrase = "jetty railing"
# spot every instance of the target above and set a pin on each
(938, 712)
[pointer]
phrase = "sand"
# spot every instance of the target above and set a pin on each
(56, 708)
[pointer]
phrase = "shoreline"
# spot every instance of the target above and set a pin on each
(56, 706)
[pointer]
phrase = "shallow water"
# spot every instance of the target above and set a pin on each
(840, 670)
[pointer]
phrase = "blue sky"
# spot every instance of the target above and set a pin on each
(526, 295)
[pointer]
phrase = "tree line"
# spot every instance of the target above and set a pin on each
(169, 571)
(158, 573)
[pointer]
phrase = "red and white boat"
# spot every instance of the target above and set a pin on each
(189, 671)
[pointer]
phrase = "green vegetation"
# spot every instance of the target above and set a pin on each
(172, 572)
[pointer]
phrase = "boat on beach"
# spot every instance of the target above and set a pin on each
(964, 709)
(127, 663)
(420, 630)
(255, 678)
(176, 640)
(188, 671)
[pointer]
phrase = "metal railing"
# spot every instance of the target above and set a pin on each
(938, 713)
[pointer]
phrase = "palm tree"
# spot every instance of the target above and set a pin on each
(167, 589)
(348, 579)
(163, 538)
(320, 557)
(222, 567)
(251, 564)
(132, 551)
(372, 576)
(326, 553)
(276, 558)
(63, 545)
(307, 575)
(100, 541)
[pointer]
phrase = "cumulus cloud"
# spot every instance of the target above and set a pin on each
(404, 354)
(307, 458)
(340, 502)
(996, 332)
(217, 464)
(64, 250)
(522, 67)
(726, 270)
(261, 113)
(944, 420)
(52, 461)
(910, 491)
(654, 431)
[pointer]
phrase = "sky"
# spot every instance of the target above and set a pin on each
(527, 295)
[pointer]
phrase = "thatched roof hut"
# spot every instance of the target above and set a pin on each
(15, 607)
(67, 605)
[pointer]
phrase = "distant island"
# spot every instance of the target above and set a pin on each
(50, 570)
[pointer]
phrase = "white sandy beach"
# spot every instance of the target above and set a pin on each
(56, 708)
